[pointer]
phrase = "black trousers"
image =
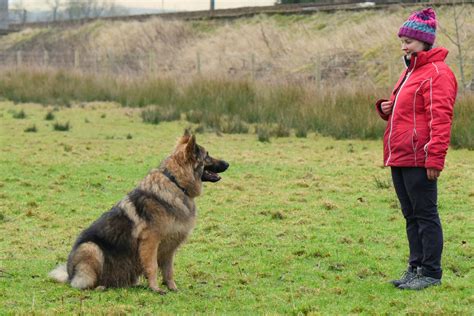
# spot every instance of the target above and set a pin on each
(418, 199)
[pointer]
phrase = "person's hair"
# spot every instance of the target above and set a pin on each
(427, 46)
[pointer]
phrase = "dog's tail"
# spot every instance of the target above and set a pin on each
(59, 274)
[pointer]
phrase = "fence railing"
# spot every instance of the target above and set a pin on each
(321, 69)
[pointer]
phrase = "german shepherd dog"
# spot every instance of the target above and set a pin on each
(142, 232)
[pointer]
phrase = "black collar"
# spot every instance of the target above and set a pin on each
(172, 178)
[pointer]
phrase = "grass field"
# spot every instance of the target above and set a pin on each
(296, 226)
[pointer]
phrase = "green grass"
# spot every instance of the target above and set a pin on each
(227, 105)
(296, 226)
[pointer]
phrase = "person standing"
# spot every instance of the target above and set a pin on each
(419, 116)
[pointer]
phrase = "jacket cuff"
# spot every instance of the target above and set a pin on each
(378, 107)
(435, 163)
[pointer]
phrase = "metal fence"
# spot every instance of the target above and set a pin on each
(322, 69)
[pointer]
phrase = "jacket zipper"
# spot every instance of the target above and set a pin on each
(393, 110)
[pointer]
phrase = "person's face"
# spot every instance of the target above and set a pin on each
(410, 46)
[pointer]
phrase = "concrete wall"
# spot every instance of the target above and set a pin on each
(3, 14)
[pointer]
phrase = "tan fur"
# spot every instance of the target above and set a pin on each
(152, 221)
(148, 252)
(139, 224)
(88, 260)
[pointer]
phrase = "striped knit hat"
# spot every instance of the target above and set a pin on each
(421, 25)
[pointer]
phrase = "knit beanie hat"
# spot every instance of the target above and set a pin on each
(421, 25)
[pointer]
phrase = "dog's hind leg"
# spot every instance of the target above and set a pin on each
(148, 250)
(88, 261)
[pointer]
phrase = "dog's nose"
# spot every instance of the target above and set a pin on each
(225, 165)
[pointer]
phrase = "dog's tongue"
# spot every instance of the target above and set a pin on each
(210, 176)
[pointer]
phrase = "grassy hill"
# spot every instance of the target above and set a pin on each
(320, 72)
(332, 46)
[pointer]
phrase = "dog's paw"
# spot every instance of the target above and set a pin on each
(172, 286)
(100, 288)
(158, 290)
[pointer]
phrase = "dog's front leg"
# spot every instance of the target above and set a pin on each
(166, 254)
(166, 265)
(148, 250)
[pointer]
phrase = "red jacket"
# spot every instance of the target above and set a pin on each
(419, 127)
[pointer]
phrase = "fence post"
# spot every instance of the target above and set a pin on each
(198, 62)
(19, 58)
(471, 84)
(151, 61)
(76, 59)
(96, 62)
(390, 73)
(45, 58)
(317, 71)
(252, 65)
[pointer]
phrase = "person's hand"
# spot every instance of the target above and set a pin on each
(386, 107)
(432, 174)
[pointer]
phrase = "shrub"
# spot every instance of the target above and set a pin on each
(281, 130)
(49, 116)
(462, 135)
(263, 134)
(234, 125)
(31, 129)
(195, 116)
(61, 127)
(19, 115)
(301, 131)
(157, 114)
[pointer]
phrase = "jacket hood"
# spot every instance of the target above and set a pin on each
(433, 55)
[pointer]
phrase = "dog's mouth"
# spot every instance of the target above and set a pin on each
(210, 176)
(210, 173)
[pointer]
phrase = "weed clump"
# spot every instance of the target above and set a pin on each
(49, 116)
(281, 130)
(233, 126)
(61, 127)
(157, 114)
(19, 115)
(31, 129)
(263, 134)
(381, 184)
(301, 131)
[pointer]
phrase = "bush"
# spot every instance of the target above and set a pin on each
(19, 115)
(301, 131)
(61, 127)
(233, 126)
(281, 130)
(157, 114)
(195, 116)
(343, 112)
(31, 129)
(263, 134)
(49, 116)
(462, 135)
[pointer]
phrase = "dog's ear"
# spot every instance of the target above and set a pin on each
(185, 138)
(191, 147)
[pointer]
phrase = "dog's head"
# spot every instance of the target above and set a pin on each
(192, 163)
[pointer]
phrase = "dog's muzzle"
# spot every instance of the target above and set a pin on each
(210, 173)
